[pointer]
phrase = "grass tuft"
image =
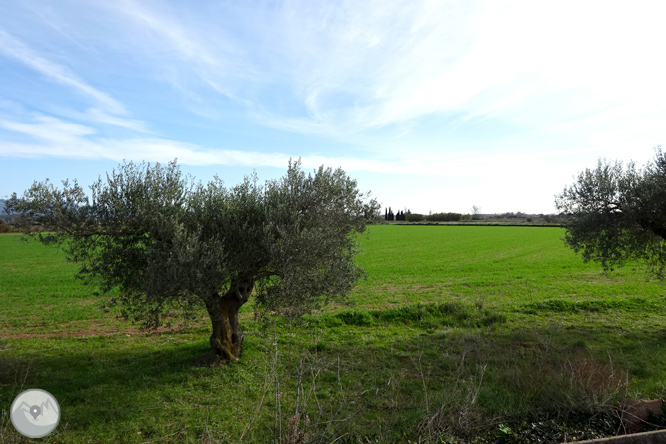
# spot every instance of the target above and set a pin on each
(597, 305)
(446, 314)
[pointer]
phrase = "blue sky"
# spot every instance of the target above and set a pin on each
(432, 105)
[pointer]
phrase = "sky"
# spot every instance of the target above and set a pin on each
(433, 106)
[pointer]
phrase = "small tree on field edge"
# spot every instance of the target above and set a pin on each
(616, 214)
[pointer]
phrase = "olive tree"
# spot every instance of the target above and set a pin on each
(617, 213)
(161, 241)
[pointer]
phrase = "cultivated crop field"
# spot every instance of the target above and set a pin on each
(458, 334)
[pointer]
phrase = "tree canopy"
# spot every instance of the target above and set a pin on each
(617, 213)
(165, 242)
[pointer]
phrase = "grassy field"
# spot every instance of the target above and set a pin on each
(458, 334)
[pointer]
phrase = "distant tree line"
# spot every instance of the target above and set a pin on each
(408, 216)
(441, 217)
(390, 216)
(518, 215)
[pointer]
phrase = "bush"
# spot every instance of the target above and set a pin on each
(5, 228)
(414, 217)
(444, 217)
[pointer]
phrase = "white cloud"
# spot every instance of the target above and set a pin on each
(536, 65)
(99, 116)
(586, 75)
(68, 140)
(183, 50)
(12, 47)
(344, 67)
(49, 129)
(107, 109)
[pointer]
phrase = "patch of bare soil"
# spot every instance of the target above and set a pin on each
(91, 328)
(100, 330)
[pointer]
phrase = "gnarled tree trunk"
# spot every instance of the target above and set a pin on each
(226, 339)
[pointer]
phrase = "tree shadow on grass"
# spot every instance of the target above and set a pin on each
(110, 383)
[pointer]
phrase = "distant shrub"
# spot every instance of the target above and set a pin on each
(4, 227)
(444, 217)
(511, 215)
(549, 218)
(414, 217)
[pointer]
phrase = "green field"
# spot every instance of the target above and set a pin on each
(458, 333)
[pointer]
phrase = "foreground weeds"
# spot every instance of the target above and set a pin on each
(307, 384)
(524, 392)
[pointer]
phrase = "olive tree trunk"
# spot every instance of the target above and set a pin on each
(226, 339)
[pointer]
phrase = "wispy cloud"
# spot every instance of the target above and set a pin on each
(56, 138)
(336, 68)
(331, 67)
(198, 54)
(444, 88)
(529, 63)
(344, 67)
(12, 47)
(49, 129)
(106, 109)
(99, 116)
